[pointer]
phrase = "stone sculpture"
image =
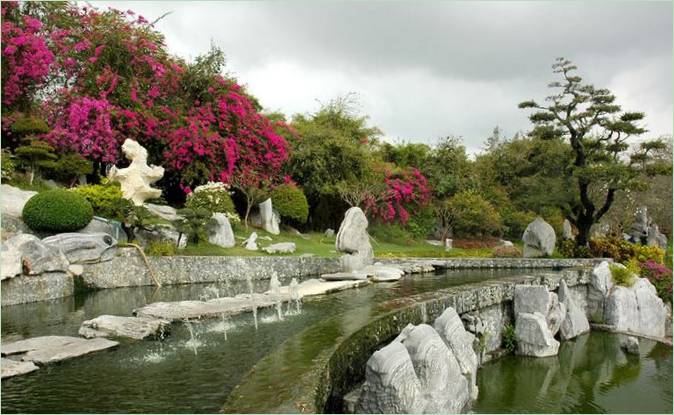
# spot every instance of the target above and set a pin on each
(220, 231)
(82, 248)
(269, 217)
(354, 241)
(539, 239)
(137, 178)
(250, 243)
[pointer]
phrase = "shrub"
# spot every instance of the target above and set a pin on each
(421, 224)
(193, 223)
(8, 164)
(70, 166)
(290, 202)
(57, 210)
(516, 221)
(393, 233)
(472, 215)
(660, 276)
(214, 197)
(106, 200)
(622, 275)
(161, 248)
(568, 249)
(27, 125)
(507, 252)
(509, 339)
(622, 251)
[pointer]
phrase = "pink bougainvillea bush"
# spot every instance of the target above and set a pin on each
(405, 192)
(660, 276)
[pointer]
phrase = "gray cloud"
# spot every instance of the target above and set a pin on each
(428, 69)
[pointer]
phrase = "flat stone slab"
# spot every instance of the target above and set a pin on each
(50, 349)
(138, 328)
(15, 368)
(345, 276)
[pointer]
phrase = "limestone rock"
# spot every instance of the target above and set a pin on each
(636, 309)
(137, 178)
(83, 248)
(25, 253)
(575, 322)
(533, 336)
(601, 283)
(109, 226)
(567, 230)
(76, 269)
(220, 231)
(50, 349)
(11, 367)
(163, 211)
(10, 260)
(13, 200)
(250, 243)
(160, 232)
(642, 222)
(539, 239)
(353, 239)
(630, 344)
(556, 314)
(138, 328)
(655, 237)
(391, 386)
(531, 299)
(13, 225)
(269, 217)
(280, 248)
(353, 262)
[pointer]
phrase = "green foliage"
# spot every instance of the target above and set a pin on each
(214, 199)
(516, 221)
(161, 248)
(290, 202)
(622, 275)
(393, 233)
(136, 216)
(7, 164)
(421, 224)
(29, 125)
(193, 223)
(35, 154)
(567, 248)
(57, 210)
(471, 214)
(509, 339)
(507, 252)
(70, 166)
(622, 251)
(106, 200)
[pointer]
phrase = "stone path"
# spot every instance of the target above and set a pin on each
(137, 328)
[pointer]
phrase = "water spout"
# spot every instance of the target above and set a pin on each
(275, 290)
(193, 342)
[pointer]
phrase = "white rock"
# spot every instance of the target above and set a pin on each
(345, 276)
(250, 243)
(533, 336)
(269, 217)
(575, 322)
(567, 230)
(26, 253)
(556, 314)
(82, 248)
(76, 269)
(50, 349)
(636, 309)
(353, 239)
(539, 239)
(11, 367)
(220, 231)
(118, 326)
(531, 299)
(601, 282)
(381, 273)
(506, 243)
(13, 200)
(329, 233)
(137, 178)
(280, 248)
(460, 342)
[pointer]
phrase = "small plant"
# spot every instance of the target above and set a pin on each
(290, 202)
(106, 199)
(509, 341)
(57, 210)
(507, 252)
(214, 197)
(622, 275)
(70, 166)
(8, 164)
(193, 223)
(161, 248)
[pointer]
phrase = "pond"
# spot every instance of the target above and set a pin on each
(197, 366)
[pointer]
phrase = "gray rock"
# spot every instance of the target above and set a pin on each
(26, 254)
(636, 309)
(655, 237)
(531, 299)
(601, 283)
(487, 324)
(556, 314)
(629, 344)
(506, 243)
(391, 385)
(280, 248)
(13, 200)
(50, 349)
(460, 342)
(138, 328)
(76, 269)
(220, 231)
(15, 368)
(641, 224)
(381, 273)
(353, 262)
(353, 239)
(109, 226)
(575, 322)
(163, 211)
(82, 248)
(567, 230)
(329, 233)
(269, 217)
(42, 287)
(533, 336)
(539, 239)
(250, 243)
(13, 225)
(160, 232)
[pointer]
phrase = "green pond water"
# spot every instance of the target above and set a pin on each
(590, 375)
(194, 375)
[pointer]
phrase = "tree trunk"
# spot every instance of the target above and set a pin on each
(584, 225)
(32, 173)
(248, 207)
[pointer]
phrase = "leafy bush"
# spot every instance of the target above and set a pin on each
(70, 166)
(8, 164)
(393, 233)
(660, 276)
(57, 210)
(622, 275)
(509, 339)
(106, 200)
(161, 248)
(472, 215)
(568, 249)
(290, 202)
(507, 252)
(622, 251)
(193, 223)
(516, 221)
(421, 224)
(28, 125)
(214, 197)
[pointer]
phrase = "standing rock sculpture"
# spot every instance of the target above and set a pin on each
(220, 231)
(269, 217)
(539, 239)
(251, 243)
(353, 239)
(137, 178)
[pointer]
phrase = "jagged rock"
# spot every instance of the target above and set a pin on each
(269, 217)
(220, 231)
(138, 328)
(83, 248)
(567, 230)
(539, 239)
(137, 178)
(531, 298)
(460, 342)
(353, 239)
(636, 309)
(163, 211)
(103, 225)
(15, 368)
(575, 322)
(391, 385)
(13, 225)
(250, 243)
(160, 232)
(556, 314)
(13, 200)
(642, 222)
(533, 336)
(487, 324)
(629, 344)
(26, 254)
(601, 283)
(280, 248)
(443, 385)
(50, 349)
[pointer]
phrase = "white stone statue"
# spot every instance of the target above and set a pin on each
(137, 178)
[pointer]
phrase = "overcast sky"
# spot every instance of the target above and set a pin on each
(424, 70)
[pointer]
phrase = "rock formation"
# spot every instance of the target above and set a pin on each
(26, 254)
(567, 230)
(539, 239)
(533, 336)
(269, 217)
(220, 231)
(354, 241)
(137, 178)
(250, 243)
(575, 322)
(280, 248)
(538, 317)
(82, 248)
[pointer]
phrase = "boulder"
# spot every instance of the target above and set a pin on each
(280, 248)
(13, 225)
(82, 248)
(220, 231)
(575, 322)
(601, 283)
(76, 269)
(637, 309)
(160, 232)
(640, 226)
(26, 254)
(13, 200)
(270, 218)
(539, 239)
(15, 368)
(163, 211)
(531, 299)
(138, 328)
(567, 230)
(352, 237)
(443, 385)
(250, 243)
(533, 336)
(460, 342)
(353, 262)
(629, 344)
(506, 243)
(136, 180)
(109, 226)
(50, 349)
(391, 385)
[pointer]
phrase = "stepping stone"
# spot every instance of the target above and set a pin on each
(345, 276)
(50, 349)
(138, 328)
(15, 368)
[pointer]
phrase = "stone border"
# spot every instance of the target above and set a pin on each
(32, 288)
(470, 263)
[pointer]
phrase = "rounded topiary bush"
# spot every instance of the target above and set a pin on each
(214, 197)
(57, 210)
(290, 202)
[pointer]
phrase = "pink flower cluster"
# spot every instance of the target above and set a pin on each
(405, 192)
